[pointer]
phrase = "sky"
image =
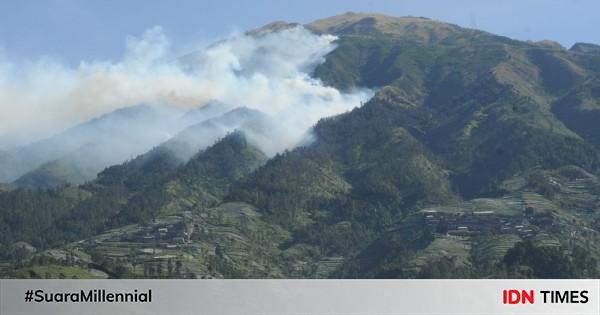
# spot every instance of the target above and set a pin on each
(71, 31)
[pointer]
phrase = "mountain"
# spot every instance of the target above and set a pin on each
(586, 48)
(129, 193)
(477, 157)
(198, 136)
(469, 96)
(80, 153)
(93, 137)
(197, 115)
(413, 28)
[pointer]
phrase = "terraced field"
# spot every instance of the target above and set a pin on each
(233, 240)
(491, 249)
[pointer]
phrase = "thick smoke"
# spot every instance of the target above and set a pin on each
(268, 72)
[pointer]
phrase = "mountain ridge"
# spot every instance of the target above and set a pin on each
(476, 157)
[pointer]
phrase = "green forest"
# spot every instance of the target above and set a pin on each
(477, 157)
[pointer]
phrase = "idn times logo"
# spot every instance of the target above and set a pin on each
(514, 296)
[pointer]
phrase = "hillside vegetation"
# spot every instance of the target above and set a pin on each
(477, 157)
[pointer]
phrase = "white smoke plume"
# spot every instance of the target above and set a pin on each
(268, 72)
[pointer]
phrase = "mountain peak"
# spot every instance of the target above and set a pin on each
(369, 23)
(272, 27)
(586, 48)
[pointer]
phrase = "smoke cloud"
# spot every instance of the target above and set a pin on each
(268, 72)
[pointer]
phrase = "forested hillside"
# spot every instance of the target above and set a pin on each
(478, 156)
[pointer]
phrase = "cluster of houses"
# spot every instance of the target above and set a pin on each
(475, 223)
(169, 236)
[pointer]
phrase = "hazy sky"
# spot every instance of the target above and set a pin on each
(71, 31)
